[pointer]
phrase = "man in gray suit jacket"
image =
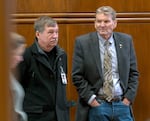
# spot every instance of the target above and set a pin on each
(88, 71)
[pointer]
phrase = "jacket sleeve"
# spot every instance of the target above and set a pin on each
(78, 71)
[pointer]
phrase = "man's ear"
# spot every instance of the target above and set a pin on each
(37, 34)
(115, 24)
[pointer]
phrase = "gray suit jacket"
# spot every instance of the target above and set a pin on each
(87, 72)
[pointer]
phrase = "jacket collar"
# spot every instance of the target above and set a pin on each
(36, 49)
(37, 53)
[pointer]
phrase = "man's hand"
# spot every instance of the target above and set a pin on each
(126, 101)
(94, 103)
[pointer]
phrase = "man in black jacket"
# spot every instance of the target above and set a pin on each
(43, 74)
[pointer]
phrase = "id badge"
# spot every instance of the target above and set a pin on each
(63, 76)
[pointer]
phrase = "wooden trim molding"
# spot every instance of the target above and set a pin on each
(65, 18)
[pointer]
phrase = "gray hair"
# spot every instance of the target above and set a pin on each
(41, 22)
(107, 10)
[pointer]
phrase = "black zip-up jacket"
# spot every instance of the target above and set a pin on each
(45, 94)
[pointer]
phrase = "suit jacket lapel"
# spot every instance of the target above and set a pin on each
(119, 50)
(96, 51)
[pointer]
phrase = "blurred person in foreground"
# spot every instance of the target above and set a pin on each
(97, 103)
(17, 47)
(43, 74)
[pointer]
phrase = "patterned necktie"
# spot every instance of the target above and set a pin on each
(108, 81)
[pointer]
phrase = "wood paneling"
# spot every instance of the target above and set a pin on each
(118, 5)
(50, 6)
(5, 105)
(76, 17)
(40, 6)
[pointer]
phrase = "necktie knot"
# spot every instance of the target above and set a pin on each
(107, 44)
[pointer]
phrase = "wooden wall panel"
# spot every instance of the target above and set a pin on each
(40, 6)
(27, 31)
(3, 65)
(48, 6)
(76, 17)
(118, 5)
(5, 26)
